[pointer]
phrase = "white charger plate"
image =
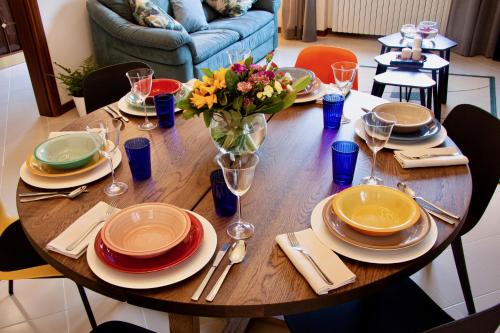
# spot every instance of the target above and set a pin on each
(314, 95)
(166, 277)
(369, 255)
(434, 141)
(70, 181)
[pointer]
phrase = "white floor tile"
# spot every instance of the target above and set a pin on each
(481, 303)
(53, 323)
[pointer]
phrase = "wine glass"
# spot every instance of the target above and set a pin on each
(238, 173)
(344, 73)
(141, 80)
(107, 136)
(378, 129)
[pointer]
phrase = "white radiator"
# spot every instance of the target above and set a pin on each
(379, 17)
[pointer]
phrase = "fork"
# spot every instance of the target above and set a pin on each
(423, 156)
(111, 209)
(296, 246)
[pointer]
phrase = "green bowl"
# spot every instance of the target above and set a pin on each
(68, 151)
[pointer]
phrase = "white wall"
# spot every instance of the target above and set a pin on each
(68, 34)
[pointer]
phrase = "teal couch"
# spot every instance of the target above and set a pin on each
(177, 54)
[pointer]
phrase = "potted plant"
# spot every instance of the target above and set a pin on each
(234, 102)
(73, 81)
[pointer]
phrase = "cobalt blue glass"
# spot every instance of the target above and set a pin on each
(224, 200)
(165, 110)
(344, 156)
(139, 157)
(333, 104)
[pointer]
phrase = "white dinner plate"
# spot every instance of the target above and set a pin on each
(166, 277)
(70, 181)
(434, 141)
(314, 95)
(369, 255)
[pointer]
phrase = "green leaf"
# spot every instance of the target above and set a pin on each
(301, 83)
(289, 99)
(248, 61)
(188, 113)
(207, 72)
(235, 116)
(238, 101)
(184, 104)
(231, 80)
(272, 108)
(207, 116)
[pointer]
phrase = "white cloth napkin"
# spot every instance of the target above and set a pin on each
(326, 259)
(407, 163)
(77, 229)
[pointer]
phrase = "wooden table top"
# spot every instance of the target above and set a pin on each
(294, 174)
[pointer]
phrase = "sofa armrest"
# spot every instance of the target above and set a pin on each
(270, 5)
(132, 33)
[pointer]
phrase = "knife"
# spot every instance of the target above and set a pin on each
(218, 258)
(117, 111)
(442, 217)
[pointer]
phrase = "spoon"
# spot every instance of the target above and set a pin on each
(406, 189)
(238, 253)
(73, 194)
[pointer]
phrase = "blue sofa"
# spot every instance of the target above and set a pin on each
(177, 54)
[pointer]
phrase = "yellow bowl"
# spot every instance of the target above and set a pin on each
(375, 210)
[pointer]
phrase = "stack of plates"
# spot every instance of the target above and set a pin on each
(66, 160)
(131, 105)
(151, 245)
(312, 92)
(400, 234)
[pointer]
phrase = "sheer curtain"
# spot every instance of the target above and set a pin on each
(475, 26)
(299, 20)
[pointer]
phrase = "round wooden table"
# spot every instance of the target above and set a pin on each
(293, 176)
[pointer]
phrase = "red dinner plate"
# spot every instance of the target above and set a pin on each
(172, 257)
(164, 86)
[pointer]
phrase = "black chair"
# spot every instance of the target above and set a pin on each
(483, 322)
(107, 85)
(18, 259)
(477, 134)
(115, 326)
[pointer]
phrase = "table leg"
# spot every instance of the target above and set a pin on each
(183, 323)
(236, 325)
(446, 70)
(429, 98)
(382, 50)
(437, 97)
(422, 96)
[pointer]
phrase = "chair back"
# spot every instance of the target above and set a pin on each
(108, 84)
(320, 58)
(477, 134)
(484, 321)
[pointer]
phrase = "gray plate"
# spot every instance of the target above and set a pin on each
(425, 132)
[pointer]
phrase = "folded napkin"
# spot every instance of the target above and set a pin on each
(77, 229)
(431, 161)
(326, 259)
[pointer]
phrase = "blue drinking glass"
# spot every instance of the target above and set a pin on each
(333, 104)
(344, 156)
(165, 110)
(139, 157)
(225, 201)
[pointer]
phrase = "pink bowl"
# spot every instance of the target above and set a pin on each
(146, 230)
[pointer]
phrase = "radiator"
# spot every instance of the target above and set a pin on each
(379, 17)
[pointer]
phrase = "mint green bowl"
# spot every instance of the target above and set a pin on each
(68, 151)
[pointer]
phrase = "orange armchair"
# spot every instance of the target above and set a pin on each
(320, 58)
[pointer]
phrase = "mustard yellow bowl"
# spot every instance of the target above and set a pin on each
(375, 210)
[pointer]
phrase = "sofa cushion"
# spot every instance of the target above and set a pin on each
(190, 14)
(149, 14)
(231, 8)
(244, 25)
(208, 42)
(210, 13)
(121, 7)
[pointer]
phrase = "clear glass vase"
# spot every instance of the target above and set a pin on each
(238, 135)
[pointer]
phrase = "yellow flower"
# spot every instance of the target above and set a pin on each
(198, 100)
(205, 89)
(207, 80)
(220, 78)
(278, 87)
(268, 92)
(211, 100)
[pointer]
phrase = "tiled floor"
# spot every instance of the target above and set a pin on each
(53, 305)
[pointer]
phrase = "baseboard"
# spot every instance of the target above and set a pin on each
(68, 106)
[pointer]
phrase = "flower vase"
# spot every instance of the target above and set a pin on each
(238, 135)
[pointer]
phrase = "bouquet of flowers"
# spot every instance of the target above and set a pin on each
(231, 98)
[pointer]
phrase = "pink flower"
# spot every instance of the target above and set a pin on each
(247, 101)
(260, 77)
(269, 74)
(238, 68)
(244, 87)
(257, 68)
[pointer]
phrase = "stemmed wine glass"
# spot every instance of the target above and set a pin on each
(238, 173)
(237, 55)
(141, 80)
(378, 129)
(344, 73)
(107, 137)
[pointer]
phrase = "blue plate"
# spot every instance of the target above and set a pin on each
(425, 132)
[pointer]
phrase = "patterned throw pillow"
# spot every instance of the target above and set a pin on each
(148, 14)
(231, 7)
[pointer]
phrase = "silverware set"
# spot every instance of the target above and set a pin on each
(36, 196)
(115, 114)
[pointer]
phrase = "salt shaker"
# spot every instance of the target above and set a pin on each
(416, 54)
(417, 42)
(406, 53)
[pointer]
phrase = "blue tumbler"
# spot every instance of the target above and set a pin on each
(224, 200)
(344, 156)
(139, 157)
(165, 110)
(333, 104)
